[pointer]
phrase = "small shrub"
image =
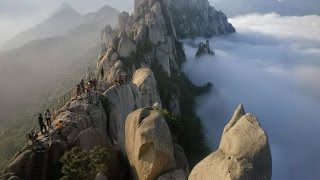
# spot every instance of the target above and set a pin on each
(79, 164)
(173, 122)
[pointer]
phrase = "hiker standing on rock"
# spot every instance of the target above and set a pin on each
(126, 78)
(47, 115)
(41, 124)
(82, 85)
(94, 81)
(91, 83)
(102, 73)
(78, 90)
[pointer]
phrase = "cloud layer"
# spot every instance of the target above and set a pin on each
(272, 65)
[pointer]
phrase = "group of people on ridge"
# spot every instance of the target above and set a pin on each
(33, 135)
(83, 87)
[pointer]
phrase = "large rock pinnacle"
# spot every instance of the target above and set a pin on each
(243, 154)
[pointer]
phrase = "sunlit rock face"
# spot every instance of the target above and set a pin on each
(197, 18)
(244, 152)
(149, 146)
(156, 25)
(147, 85)
(121, 100)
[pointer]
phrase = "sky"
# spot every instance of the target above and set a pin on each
(272, 66)
(18, 15)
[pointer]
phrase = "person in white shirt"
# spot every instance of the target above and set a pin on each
(47, 115)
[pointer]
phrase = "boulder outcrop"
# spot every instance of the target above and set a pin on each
(149, 144)
(181, 159)
(101, 177)
(204, 49)
(89, 138)
(147, 85)
(80, 115)
(18, 166)
(148, 32)
(175, 106)
(244, 152)
(126, 46)
(121, 100)
(107, 37)
(173, 175)
(123, 19)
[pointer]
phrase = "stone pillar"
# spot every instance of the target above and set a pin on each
(136, 9)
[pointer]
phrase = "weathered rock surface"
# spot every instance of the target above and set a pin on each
(101, 177)
(80, 115)
(146, 29)
(121, 100)
(175, 105)
(126, 46)
(14, 178)
(89, 138)
(123, 19)
(56, 151)
(141, 33)
(149, 144)
(197, 18)
(147, 85)
(174, 175)
(244, 152)
(204, 49)
(6, 176)
(107, 37)
(181, 159)
(18, 166)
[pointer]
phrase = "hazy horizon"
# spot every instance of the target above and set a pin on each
(18, 17)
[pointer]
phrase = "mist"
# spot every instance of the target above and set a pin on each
(16, 17)
(272, 66)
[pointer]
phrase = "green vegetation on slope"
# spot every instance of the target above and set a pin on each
(187, 128)
(13, 131)
(79, 164)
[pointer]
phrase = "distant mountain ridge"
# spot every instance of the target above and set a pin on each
(50, 59)
(63, 20)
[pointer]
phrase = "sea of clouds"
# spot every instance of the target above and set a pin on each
(272, 66)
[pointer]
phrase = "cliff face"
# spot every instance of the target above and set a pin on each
(197, 18)
(144, 39)
(149, 117)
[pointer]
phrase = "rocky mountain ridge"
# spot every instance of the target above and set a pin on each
(45, 69)
(136, 117)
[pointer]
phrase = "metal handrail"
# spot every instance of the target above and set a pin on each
(62, 101)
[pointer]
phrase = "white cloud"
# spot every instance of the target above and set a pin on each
(9, 26)
(272, 65)
(300, 26)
